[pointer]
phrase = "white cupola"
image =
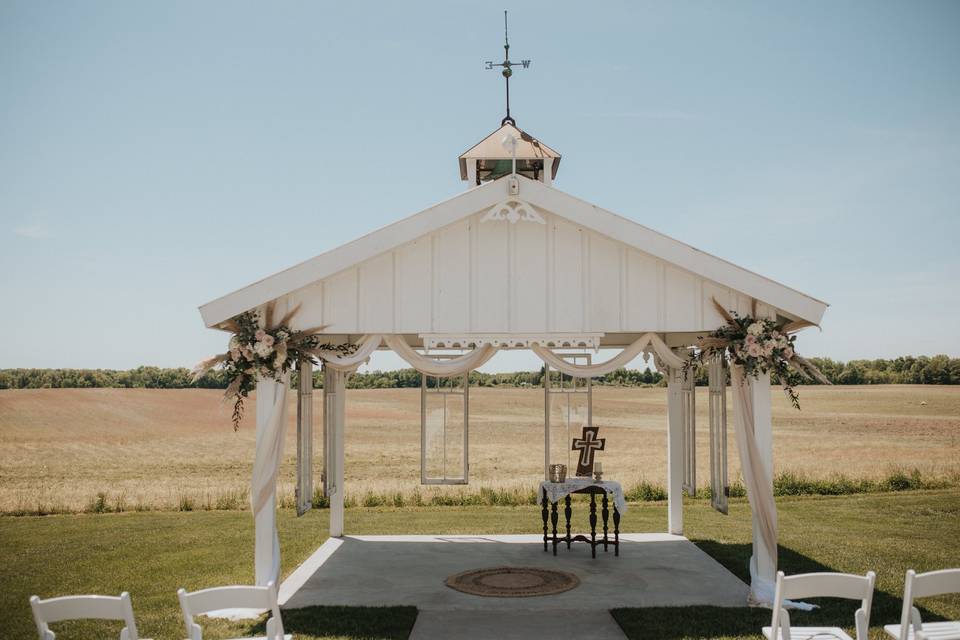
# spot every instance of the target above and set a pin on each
(492, 157)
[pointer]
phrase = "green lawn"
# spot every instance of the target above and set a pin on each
(152, 554)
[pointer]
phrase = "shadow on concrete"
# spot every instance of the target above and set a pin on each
(675, 623)
(366, 623)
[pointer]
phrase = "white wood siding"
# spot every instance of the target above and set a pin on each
(496, 277)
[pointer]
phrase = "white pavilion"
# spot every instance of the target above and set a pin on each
(513, 262)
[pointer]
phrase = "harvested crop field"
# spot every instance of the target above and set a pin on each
(147, 449)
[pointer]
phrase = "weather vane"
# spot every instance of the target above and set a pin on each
(507, 67)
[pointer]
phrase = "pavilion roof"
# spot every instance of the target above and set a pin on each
(703, 268)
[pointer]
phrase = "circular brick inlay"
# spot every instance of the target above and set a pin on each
(513, 582)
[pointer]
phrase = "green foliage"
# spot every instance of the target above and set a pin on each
(152, 554)
(939, 369)
(139, 378)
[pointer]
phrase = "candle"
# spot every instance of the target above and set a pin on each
(598, 467)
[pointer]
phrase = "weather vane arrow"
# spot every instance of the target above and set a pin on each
(507, 67)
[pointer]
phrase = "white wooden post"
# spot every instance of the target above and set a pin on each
(689, 394)
(334, 396)
(546, 423)
(675, 451)
(548, 171)
(266, 539)
(759, 391)
(304, 491)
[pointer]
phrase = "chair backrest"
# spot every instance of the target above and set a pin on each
(81, 608)
(236, 597)
(823, 585)
(922, 585)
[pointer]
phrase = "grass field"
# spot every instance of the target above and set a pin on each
(152, 554)
(170, 449)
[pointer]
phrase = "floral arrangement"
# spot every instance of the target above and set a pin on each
(264, 350)
(759, 345)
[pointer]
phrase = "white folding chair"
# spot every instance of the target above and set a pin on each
(933, 583)
(813, 585)
(84, 607)
(217, 598)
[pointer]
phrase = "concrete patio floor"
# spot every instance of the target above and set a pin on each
(652, 570)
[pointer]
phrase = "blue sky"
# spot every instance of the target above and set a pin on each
(155, 155)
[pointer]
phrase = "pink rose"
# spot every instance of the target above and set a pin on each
(754, 350)
(267, 339)
(751, 338)
(260, 334)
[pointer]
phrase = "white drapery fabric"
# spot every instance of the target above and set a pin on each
(759, 491)
(271, 429)
(451, 367)
(479, 356)
(365, 348)
(643, 343)
(758, 481)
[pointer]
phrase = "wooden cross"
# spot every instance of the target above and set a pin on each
(587, 445)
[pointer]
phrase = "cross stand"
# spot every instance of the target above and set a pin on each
(550, 515)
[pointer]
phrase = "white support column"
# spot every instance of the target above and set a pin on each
(266, 538)
(675, 451)
(546, 422)
(759, 391)
(304, 490)
(548, 171)
(334, 397)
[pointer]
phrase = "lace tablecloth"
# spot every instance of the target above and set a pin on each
(556, 491)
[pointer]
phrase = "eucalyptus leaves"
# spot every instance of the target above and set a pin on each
(759, 345)
(264, 350)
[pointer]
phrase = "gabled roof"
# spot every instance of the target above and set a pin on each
(539, 195)
(491, 148)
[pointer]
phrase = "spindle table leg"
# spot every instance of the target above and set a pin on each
(554, 516)
(606, 516)
(545, 514)
(593, 524)
(616, 530)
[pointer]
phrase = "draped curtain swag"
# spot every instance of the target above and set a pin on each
(479, 356)
(759, 490)
(643, 343)
(271, 428)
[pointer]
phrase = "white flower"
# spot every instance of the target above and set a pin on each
(234, 343)
(278, 361)
(263, 349)
(755, 329)
(768, 347)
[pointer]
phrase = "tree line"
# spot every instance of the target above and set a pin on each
(938, 369)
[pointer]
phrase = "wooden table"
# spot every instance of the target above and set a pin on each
(549, 512)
